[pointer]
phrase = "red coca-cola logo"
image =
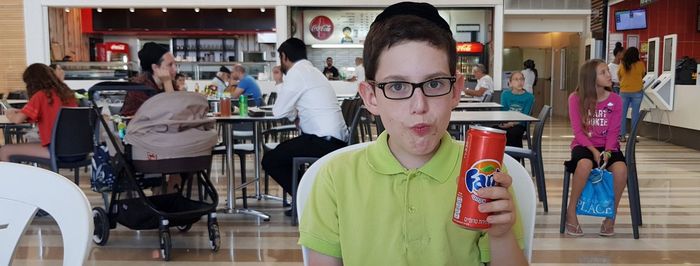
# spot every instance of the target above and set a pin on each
(321, 27)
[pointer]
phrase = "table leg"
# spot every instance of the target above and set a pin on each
(231, 190)
(256, 148)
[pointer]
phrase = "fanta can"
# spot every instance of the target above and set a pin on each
(483, 155)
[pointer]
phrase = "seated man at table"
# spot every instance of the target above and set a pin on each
(306, 97)
(47, 94)
(157, 72)
(484, 83)
(391, 203)
(246, 85)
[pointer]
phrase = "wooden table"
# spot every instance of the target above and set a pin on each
(228, 140)
(478, 106)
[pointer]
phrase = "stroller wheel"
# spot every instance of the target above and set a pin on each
(165, 245)
(214, 237)
(100, 234)
(184, 228)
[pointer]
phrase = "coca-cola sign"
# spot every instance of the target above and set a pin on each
(321, 27)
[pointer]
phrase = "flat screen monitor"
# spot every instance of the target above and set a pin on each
(651, 58)
(668, 53)
(631, 19)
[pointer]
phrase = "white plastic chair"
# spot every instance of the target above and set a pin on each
(522, 184)
(23, 190)
(526, 198)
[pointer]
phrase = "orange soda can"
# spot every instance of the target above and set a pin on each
(483, 155)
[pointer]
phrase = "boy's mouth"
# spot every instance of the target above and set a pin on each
(420, 129)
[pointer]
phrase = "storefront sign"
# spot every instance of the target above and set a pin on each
(469, 47)
(321, 27)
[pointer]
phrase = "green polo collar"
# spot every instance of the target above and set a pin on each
(439, 168)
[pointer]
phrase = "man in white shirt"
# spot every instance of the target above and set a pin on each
(484, 85)
(308, 98)
(359, 70)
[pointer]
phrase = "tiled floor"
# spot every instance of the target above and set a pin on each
(670, 187)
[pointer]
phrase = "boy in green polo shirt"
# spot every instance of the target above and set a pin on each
(391, 203)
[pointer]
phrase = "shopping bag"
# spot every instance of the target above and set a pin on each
(103, 176)
(598, 196)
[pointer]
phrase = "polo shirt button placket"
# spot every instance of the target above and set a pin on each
(412, 210)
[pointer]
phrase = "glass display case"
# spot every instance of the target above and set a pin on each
(98, 70)
(207, 70)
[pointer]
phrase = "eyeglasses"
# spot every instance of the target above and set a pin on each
(399, 90)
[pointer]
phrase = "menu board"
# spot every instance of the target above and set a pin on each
(337, 27)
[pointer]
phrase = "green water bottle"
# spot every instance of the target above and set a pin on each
(243, 105)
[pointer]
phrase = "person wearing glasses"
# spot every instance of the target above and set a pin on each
(391, 203)
(308, 98)
(519, 100)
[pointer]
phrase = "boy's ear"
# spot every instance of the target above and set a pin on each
(369, 97)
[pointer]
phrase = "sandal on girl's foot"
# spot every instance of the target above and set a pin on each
(607, 231)
(577, 231)
(622, 139)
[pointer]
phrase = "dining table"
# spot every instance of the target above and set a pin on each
(475, 106)
(227, 122)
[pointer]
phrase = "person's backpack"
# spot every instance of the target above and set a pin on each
(103, 176)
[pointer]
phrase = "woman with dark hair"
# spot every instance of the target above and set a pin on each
(530, 73)
(47, 94)
(614, 66)
(595, 115)
(631, 81)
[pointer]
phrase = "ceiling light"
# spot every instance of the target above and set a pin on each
(99, 9)
(164, 9)
(262, 9)
(229, 10)
(132, 10)
(67, 10)
(196, 9)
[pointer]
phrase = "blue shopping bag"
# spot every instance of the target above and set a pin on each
(103, 176)
(598, 196)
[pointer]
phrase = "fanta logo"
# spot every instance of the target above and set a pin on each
(480, 175)
(321, 27)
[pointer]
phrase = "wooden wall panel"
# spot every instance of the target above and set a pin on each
(65, 33)
(12, 48)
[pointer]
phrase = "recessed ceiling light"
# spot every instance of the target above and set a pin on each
(164, 9)
(229, 10)
(99, 9)
(67, 10)
(132, 10)
(262, 9)
(196, 9)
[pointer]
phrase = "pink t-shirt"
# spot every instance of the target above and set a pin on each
(604, 124)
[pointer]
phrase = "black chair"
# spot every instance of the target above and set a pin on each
(632, 182)
(487, 98)
(534, 154)
(72, 141)
(272, 98)
(361, 126)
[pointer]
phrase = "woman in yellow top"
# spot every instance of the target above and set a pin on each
(631, 74)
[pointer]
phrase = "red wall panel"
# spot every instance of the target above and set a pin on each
(666, 17)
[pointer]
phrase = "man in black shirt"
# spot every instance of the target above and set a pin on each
(330, 71)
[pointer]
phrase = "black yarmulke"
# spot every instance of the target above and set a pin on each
(422, 10)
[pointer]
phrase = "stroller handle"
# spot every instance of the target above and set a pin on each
(118, 86)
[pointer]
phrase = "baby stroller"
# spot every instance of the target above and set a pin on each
(163, 139)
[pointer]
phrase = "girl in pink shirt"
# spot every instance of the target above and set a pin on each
(595, 113)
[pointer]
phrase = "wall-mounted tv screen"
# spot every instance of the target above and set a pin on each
(631, 19)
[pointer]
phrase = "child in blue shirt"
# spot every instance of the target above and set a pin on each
(516, 99)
